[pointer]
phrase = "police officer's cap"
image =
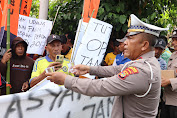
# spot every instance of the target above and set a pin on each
(136, 26)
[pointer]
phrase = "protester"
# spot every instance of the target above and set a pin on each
(159, 48)
(20, 66)
(53, 47)
(109, 59)
(136, 84)
(110, 46)
(120, 59)
(70, 39)
(67, 47)
(170, 85)
(166, 54)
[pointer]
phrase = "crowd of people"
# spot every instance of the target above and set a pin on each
(27, 70)
(131, 71)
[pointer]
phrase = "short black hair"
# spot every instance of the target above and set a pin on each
(63, 37)
(150, 38)
(71, 36)
(116, 43)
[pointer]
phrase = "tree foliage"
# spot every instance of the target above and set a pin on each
(162, 13)
(68, 15)
(35, 9)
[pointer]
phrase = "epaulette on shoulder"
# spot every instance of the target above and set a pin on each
(136, 62)
(141, 63)
(141, 60)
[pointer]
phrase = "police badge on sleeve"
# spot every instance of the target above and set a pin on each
(128, 71)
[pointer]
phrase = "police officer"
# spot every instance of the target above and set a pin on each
(136, 84)
(170, 85)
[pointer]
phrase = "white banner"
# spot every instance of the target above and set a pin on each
(34, 32)
(54, 103)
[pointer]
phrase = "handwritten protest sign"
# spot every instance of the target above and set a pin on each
(94, 43)
(34, 32)
(54, 103)
(79, 35)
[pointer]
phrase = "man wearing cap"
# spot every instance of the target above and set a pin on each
(136, 84)
(110, 57)
(166, 54)
(159, 48)
(53, 47)
(120, 59)
(170, 85)
(20, 66)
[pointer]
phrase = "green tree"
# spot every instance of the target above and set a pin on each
(35, 8)
(68, 16)
(162, 13)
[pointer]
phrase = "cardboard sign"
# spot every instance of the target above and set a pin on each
(34, 32)
(168, 74)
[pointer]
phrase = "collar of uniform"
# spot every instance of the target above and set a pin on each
(139, 58)
(147, 55)
(48, 59)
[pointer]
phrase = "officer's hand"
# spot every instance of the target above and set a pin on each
(7, 55)
(56, 77)
(25, 86)
(57, 65)
(165, 82)
(81, 69)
